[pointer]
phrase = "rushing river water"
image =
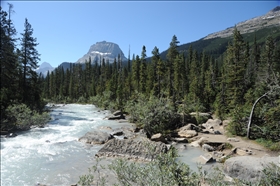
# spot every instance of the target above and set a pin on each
(53, 155)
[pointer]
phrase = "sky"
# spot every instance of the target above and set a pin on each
(65, 30)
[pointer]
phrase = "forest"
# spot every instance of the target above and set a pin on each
(241, 84)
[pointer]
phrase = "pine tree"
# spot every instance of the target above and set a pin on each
(136, 72)
(155, 81)
(171, 56)
(236, 62)
(9, 67)
(29, 61)
(143, 71)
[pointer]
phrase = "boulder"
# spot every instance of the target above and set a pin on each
(158, 137)
(186, 132)
(217, 132)
(199, 142)
(211, 123)
(248, 168)
(243, 152)
(96, 137)
(206, 158)
(207, 148)
(137, 149)
(180, 140)
(117, 113)
(117, 132)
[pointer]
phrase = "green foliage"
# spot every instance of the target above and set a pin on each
(164, 170)
(94, 176)
(271, 175)
(154, 114)
(23, 117)
(274, 146)
(239, 121)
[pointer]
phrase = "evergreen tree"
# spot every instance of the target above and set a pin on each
(143, 71)
(171, 56)
(136, 72)
(236, 62)
(29, 61)
(9, 66)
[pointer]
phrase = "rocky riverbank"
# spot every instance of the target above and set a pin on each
(231, 153)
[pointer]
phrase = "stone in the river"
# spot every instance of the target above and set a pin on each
(137, 149)
(96, 137)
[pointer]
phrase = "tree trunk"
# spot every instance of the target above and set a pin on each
(251, 114)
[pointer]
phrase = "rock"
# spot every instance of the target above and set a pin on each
(205, 132)
(11, 135)
(138, 149)
(213, 123)
(217, 132)
(207, 148)
(180, 140)
(116, 117)
(117, 132)
(191, 126)
(158, 137)
(248, 168)
(233, 139)
(207, 158)
(242, 152)
(199, 142)
(217, 154)
(96, 137)
(117, 113)
(47, 141)
(186, 133)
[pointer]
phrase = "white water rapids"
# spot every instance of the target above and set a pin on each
(53, 155)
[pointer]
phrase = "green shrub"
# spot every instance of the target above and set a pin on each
(23, 117)
(153, 114)
(274, 146)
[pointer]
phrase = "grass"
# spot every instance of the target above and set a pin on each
(273, 146)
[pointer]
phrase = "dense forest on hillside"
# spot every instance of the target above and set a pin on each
(158, 94)
(197, 82)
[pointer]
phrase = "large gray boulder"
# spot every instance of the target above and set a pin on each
(96, 137)
(138, 149)
(248, 168)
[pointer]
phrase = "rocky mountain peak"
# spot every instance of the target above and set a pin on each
(107, 50)
(272, 18)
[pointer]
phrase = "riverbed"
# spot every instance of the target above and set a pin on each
(53, 155)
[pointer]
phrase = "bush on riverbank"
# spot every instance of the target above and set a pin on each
(154, 115)
(21, 117)
(166, 170)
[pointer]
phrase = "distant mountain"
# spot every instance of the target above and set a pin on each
(107, 50)
(272, 18)
(215, 44)
(44, 68)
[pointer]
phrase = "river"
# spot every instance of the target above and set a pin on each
(53, 155)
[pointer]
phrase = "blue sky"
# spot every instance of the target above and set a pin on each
(65, 30)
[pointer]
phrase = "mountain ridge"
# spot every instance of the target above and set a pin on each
(107, 50)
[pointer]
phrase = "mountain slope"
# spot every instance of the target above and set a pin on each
(44, 68)
(216, 43)
(107, 50)
(272, 18)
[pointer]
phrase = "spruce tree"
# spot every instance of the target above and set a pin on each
(29, 61)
